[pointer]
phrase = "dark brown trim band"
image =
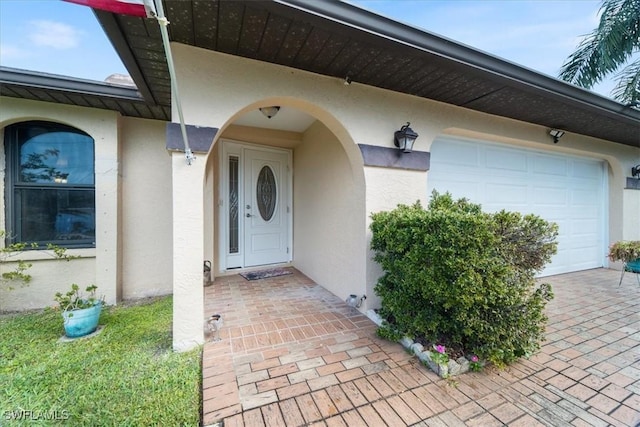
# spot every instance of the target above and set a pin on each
(632, 184)
(200, 138)
(386, 157)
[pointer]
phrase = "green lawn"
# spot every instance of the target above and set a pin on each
(125, 376)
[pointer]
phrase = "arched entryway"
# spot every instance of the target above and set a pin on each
(287, 190)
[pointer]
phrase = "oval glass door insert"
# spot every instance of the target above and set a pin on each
(266, 193)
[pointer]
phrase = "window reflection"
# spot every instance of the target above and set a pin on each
(50, 189)
(56, 157)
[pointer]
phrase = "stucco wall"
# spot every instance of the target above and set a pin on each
(210, 197)
(631, 211)
(219, 88)
(48, 277)
(132, 257)
(329, 217)
(388, 188)
(147, 209)
(187, 187)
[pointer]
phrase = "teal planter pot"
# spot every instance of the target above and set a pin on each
(78, 323)
(633, 266)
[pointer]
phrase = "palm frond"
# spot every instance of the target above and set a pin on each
(606, 48)
(627, 89)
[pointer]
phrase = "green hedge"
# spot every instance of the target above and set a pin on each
(461, 277)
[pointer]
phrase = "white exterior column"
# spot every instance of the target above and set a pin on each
(188, 229)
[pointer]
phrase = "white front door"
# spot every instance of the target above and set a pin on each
(265, 213)
(256, 207)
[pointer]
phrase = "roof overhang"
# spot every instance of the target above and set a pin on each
(337, 39)
(86, 93)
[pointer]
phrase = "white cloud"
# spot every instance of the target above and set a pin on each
(9, 52)
(53, 34)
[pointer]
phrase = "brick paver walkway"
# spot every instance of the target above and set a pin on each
(293, 354)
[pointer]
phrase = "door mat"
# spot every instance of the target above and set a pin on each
(265, 274)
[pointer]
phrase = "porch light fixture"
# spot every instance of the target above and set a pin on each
(556, 135)
(404, 138)
(269, 112)
(635, 171)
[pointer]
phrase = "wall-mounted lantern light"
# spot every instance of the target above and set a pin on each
(556, 135)
(269, 112)
(635, 171)
(404, 138)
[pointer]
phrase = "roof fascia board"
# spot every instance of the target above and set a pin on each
(114, 33)
(56, 82)
(380, 26)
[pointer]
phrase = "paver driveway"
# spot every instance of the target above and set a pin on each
(293, 354)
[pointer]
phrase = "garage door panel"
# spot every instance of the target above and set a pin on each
(546, 196)
(579, 266)
(584, 213)
(511, 194)
(564, 189)
(547, 165)
(460, 154)
(542, 183)
(561, 258)
(587, 169)
(501, 159)
(582, 258)
(461, 189)
(585, 198)
(583, 232)
(564, 228)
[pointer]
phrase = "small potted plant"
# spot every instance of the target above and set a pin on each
(81, 313)
(627, 251)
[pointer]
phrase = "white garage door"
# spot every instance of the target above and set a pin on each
(564, 189)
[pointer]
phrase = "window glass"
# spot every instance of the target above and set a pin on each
(266, 193)
(234, 223)
(57, 215)
(50, 189)
(55, 157)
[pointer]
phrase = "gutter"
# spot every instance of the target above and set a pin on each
(54, 82)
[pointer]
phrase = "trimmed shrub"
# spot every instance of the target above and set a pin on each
(456, 275)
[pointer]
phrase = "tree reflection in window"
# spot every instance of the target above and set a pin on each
(36, 168)
(60, 155)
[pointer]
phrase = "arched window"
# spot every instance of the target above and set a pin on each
(50, 185)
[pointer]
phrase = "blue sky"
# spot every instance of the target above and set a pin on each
(63, 38)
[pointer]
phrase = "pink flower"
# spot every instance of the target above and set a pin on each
(474, 358)
(440, 349)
